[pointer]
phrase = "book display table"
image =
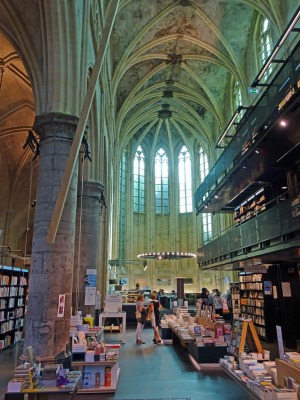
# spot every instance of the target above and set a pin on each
(94, 376)
(206, 354)
(49, 393)
(117, 315)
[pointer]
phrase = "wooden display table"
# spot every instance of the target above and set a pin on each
(203, 321)
(286, 369)
(207, 354)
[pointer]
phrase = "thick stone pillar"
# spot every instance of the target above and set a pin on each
(51, 271)
(86, 241)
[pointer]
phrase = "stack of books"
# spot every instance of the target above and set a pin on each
(16, 385)
(293, 358)
(89, 356)
(21, 371)
(49, 375)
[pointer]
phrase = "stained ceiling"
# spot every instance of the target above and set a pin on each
(172, 65)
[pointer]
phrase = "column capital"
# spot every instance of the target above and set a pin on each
(55, 124)
(90, 189)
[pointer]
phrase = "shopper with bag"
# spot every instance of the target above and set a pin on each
(140, 313)
(154, 308)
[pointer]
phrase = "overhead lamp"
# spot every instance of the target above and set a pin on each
(283, 123)
(277, 47)
(167, 255)
(216, 196)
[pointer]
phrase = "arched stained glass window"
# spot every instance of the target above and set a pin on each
(139, 181)
(161, 182)
(122, 206)
(203, 162)
(206, 217)
(185, 181)
(237, 98)
(265, 41)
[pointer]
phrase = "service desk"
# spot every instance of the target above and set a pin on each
(117, 315)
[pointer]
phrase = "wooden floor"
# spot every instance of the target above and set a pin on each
(149, 371)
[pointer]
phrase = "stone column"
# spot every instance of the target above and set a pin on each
(86, 241)
(51, 271)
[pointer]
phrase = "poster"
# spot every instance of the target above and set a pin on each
(91, 277)
(286, 289)
(113, 303)
(61, 306)
(267, 287)
(90, 296)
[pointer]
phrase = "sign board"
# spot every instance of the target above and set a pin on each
(280, 342)
(61, 305)
(256, 269)
(90, 296)
(253, 90)
(91, 277)
(267, 287)
(113, 303)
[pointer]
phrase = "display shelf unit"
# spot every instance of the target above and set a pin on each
(254, 205)
(96, 372)
(244, 334)
(252, 301)
(13, 291)
(235, 299)
(285, 369)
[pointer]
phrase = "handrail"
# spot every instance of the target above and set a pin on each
(253, 125)
(268, 205)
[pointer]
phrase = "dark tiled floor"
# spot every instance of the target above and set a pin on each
(151, 372)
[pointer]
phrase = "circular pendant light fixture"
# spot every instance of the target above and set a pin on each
(167, 255)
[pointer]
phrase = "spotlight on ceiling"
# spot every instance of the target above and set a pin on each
(283, 123)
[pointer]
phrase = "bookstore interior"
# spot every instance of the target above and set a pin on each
(230, 329)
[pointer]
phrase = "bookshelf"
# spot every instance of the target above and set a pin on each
(235, 299)
(250, 208)
(252, 302)
(13, 291)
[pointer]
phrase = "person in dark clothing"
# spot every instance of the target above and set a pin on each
(203, 299)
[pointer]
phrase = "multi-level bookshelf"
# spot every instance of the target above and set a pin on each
(13, 290)
(252, 302)
(235, 299)
(251, 207)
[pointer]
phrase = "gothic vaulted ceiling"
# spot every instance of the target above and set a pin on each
(174, 62)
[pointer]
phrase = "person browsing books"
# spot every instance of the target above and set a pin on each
(140, 308)
(218, 304)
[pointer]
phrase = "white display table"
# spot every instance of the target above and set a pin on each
(122, 315)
